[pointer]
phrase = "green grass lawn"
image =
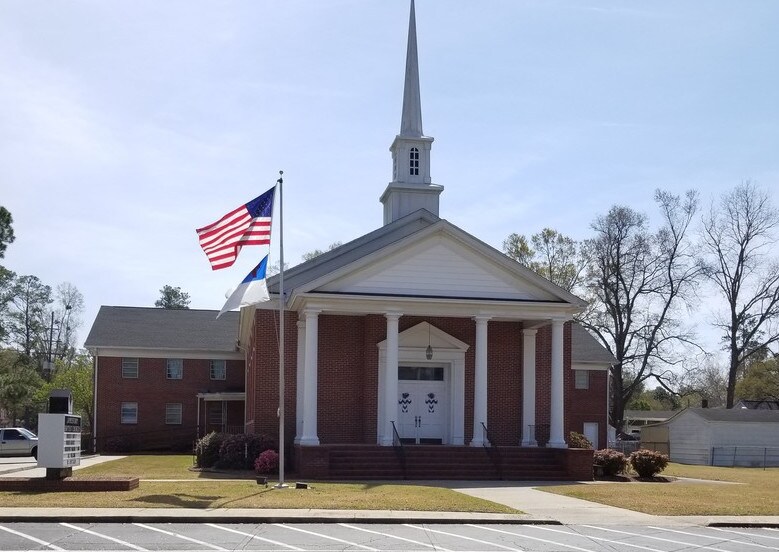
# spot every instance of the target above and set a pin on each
(727, 491)
(208, 490)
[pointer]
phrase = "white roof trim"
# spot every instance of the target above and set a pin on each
(225, 396)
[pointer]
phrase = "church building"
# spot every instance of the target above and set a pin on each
(415, 351)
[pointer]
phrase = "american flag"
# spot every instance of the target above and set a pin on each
(247, 225)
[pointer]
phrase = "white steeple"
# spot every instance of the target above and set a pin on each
(411, 188)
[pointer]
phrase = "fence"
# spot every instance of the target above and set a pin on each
(751, 457)
(625, 447)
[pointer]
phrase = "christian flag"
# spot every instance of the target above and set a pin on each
(250, 291)
(249, 224)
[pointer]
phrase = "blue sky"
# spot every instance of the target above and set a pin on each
(126, 125)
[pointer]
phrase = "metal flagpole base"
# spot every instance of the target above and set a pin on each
(281, 486)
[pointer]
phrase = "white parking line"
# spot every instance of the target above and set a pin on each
(620, 543)
(257, 537)
(711, 537)
(30, 537)
(462, 537)
(326, 537)
(572, 547)
(395, 537)
(190, 539)
(106, 537)
(746, 534)
(697, 546)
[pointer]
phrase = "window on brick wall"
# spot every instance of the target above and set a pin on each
(130, 368)
(218, 370)
(581, 379)
(129, 413)
(175, 368)
(173, 413)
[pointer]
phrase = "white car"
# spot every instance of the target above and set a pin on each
(18, 441)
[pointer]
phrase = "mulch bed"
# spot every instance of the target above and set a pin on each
(69, 484)
(635, 478)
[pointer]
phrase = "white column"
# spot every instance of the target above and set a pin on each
(528, 388)
(557, 414)
(480, 383)
(309, 436)
(391, 379)
(300, 402)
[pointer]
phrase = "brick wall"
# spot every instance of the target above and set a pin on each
(152, 391)
(348, 377)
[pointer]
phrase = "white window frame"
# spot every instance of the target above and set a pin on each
(129, 364)
(126, 406)
(171, 362)
(224, 369)
(173, 413)
(581, 379)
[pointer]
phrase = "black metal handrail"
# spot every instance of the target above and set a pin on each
(492, 450)
(397, 444)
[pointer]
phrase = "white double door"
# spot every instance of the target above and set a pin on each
(423, 407)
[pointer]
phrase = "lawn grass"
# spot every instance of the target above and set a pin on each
(727, 491)
(197, 490)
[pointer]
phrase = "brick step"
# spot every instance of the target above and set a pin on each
(437, 462)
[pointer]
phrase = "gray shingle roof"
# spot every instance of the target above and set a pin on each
(155, 328)
(736, 415)
(585, 348)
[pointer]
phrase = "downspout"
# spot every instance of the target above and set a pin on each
(94, 404)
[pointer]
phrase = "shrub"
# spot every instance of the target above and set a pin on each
(613, 461)
(648, 463)
(577, 440)
(237, 452)
(207, 449)
(267, 462)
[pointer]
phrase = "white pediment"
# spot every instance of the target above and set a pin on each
(439, 266)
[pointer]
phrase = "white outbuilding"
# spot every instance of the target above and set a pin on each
(719, 437)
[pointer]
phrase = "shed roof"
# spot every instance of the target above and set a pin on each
(155, 328)
(735, 415)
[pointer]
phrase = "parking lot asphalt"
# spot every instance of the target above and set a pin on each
(539, 507)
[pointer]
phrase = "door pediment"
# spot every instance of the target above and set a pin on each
(424, 334)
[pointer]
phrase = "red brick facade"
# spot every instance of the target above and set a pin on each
(152, 391)
(348, 375)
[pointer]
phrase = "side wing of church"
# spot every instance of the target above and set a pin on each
(414, 351)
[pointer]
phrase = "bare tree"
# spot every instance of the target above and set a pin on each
(554, 256)
(738, 236)
(638, 284)
(317, 252)
(517, 247)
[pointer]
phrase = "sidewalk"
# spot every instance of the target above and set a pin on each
(539, 507)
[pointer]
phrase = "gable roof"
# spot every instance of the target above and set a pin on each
(322, 274)
(758, 404)
(732, 415)
(586, 349)
(155, 328)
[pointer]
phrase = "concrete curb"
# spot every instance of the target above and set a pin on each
(55, 515)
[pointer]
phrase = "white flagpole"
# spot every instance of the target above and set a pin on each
(281, 331)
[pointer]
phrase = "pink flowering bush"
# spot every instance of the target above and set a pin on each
(267, 462)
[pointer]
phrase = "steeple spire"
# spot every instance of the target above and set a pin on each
(411, 120)
(411, 188)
